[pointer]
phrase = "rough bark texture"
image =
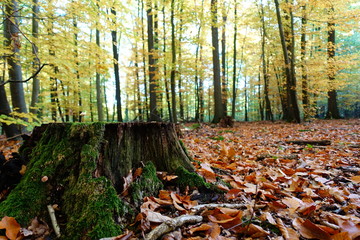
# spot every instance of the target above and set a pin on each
(86, 165)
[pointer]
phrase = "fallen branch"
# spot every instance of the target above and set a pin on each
(223, 205)
(310, 142)
(53, 221)
(171, 225)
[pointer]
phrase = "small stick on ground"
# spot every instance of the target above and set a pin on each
(53, 220)
(171, 225)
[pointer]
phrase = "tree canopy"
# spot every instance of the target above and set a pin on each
(106, 60)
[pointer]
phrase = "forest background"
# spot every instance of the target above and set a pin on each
(184, 60)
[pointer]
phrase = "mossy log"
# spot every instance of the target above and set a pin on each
(81, 168)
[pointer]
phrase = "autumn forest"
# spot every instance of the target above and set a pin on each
(178, 60)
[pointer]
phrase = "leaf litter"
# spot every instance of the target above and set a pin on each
(269, 187)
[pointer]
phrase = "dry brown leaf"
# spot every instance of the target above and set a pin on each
(156, 217)
(310, 230)
(346, 225)
(341, 236)
(355, 179)
(233, 193)
(202, 227)
(11, 226)
(288, 233)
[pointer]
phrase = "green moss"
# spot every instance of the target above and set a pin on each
(90, 205)
(147, 184)
(191, 179)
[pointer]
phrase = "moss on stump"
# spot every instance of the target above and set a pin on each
(85, 165)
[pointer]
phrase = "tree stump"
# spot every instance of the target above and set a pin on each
(81, 168)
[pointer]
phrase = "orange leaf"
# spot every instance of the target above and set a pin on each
(233, 193)
(202, 227)
(355, 179)
(11, 226)
(341, 236)
(308, 229)
(164, 195)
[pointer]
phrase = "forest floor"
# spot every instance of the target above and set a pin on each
(269, 187)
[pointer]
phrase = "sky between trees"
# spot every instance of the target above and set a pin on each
(179, 60)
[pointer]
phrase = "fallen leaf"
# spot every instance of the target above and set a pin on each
(355, 179)
(310, 230)
(11, 226)
(202, 227)
(156, 217)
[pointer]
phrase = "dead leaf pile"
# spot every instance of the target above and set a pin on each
(273, 189)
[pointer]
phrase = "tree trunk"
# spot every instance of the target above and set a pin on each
(12, 43)
(36, 83)
(333, 110)
(85, 167)
(173, 64)
(99, 103)
(116, 68)
(292, 114)
(218, 104)
(10, 130)
(223, 61)
(154, 114)
(233, 102)
(304, 76)
(268, 111)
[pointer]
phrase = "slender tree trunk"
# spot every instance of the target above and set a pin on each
(10, 130)
(116, 68)
(99, 103)
(144, 61)
(36, 83)
(333, 110)
(260, 100)
(246, 100)
(197, 80)
(154, 115)
(304, 77)
(218, 104)
(77, 92)
(173, 63)
(293, 113)
(268, 111)
(233, 103)
(12, 43)
(201, 89)
(223, 62)
(167, 91)
(181, 100)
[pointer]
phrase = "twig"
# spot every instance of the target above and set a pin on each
(171, 225)
(216, 205)
(31, 77)
(53, 220)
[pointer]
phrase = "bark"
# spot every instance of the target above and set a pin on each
(12, 42)
(116, 68)
(333, 110)
(99, 103)
(304, 77)
(86, 166)
(154, 114)
(144, 61)
(233, 103)
(173, 64)
(268, 112)
(167, 91)
(292, 114)
(223, 62)
(36, 83)
(10, 130)
(218, 104)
